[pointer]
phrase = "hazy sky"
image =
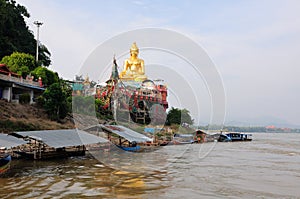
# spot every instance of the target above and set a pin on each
(255, 45)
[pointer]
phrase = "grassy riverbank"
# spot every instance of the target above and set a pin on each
(19, 117)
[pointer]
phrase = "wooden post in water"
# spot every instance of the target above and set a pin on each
(40, 150)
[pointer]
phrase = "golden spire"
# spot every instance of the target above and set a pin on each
(134, 47)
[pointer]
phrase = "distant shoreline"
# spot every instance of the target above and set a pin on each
(19, 117)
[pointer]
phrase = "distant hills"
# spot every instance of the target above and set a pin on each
(262, 121)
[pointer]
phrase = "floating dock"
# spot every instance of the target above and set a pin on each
(55, 143)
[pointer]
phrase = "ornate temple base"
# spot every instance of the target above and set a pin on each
(137, 78)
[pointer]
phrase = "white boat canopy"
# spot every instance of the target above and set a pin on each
(126, 133)
(63, 138)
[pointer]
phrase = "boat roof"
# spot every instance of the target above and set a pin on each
(126, 133)
(183, 135)
(63, 137)
(8, 141)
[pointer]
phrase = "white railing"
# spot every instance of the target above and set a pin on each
(4, 77)
(19, 80)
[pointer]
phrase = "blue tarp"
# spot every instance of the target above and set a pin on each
(149, 130)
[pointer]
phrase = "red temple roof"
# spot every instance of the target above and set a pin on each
(5, 70)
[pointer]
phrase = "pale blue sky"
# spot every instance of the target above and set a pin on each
(254, 44)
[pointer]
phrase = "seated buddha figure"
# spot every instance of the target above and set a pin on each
(133, 67)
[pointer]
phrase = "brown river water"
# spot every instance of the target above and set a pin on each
(267, 167)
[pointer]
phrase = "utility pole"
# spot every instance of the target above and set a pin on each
(38, 24)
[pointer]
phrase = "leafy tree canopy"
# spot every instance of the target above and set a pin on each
(20, 63)
(15, 35)
(178, 116)
(48, 77)
(56, 101)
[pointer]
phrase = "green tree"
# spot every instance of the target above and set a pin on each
(178, 116)
(186, 117)
(21, 63)
(24, 98)
(48, 77)
(44, 55)
(78, 104)
(56, 102)
(15, 34)
(66, 86)
(84, 105)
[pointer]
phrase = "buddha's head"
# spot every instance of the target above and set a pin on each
(134, 50)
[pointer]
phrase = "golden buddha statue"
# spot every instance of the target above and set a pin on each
(133, 67)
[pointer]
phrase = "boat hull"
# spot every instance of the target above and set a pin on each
(239, 137)
(5, 164)
(131, 149)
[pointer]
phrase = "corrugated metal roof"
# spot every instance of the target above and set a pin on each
(63, 138)
(9, 141)
(126, 133)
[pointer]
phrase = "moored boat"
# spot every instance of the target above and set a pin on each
(131, 149)
(182, 139)
(127, 139)
(5, 163)
(239, 136)
(224, 138)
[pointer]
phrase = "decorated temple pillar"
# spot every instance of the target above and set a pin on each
(40, 82)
